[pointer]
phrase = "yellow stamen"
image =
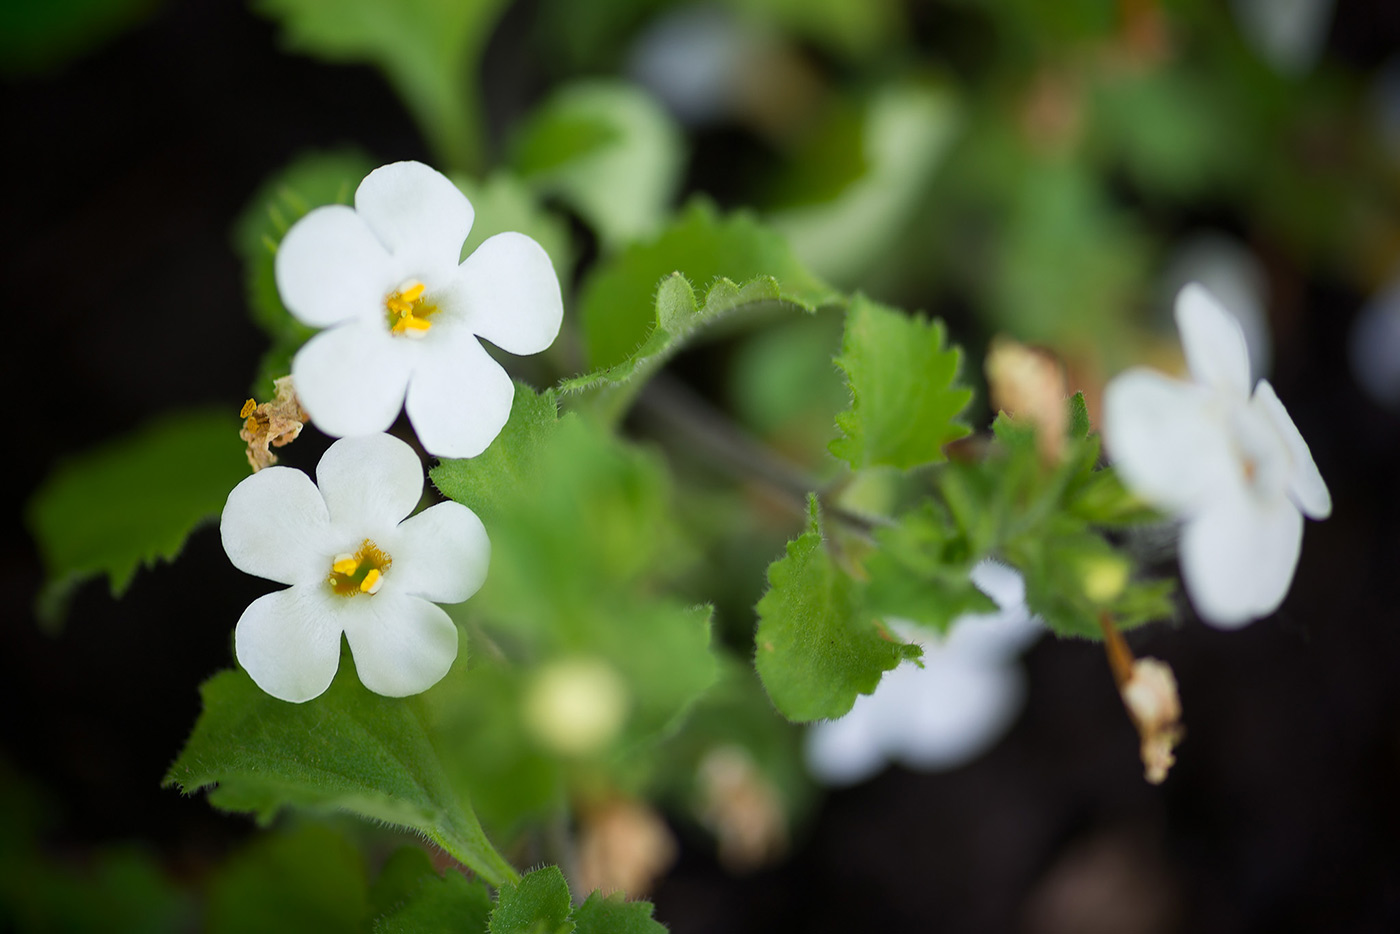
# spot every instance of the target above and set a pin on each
(413, 292)
(372, 582)
(248, 408)
(345, 564)
(408, 312)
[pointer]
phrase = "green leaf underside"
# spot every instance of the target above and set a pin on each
(347, 750)
(539, 904)
(816, 649)
(904, 401)
(609, 151)
(453, 903)
(312, 180)
(133, 502)
(620, 305)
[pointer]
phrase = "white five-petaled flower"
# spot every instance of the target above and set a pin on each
(403, 314)
(1230, 463)
(946, 713)
(355, 565)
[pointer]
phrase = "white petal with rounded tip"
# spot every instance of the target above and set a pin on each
(953, 711)
(1305, 482)
(1213, 342)
(441, 554)
(370, 483)
(1238, 557)
(1168, 439)
(509, 294)
(330, 268)
(351, 379)
(402, 645)
(459, 398)
(289, 641)
(418, 215)
(275, 525)
(848, 750)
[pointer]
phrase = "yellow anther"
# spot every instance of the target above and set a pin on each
(412, 326)
(372, 582)
(345, 564)
(248, 408)
(413, 292)
(398, 306)
(408, 312)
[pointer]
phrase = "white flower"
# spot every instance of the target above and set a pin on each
(355, 565)
(946, 713)
(403, 315)
(1231, 464)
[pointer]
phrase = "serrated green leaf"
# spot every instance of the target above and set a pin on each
(347, 750)
(920, 571)
(428, 49)
(309, 879)
(507, 467)
(132, 502)
(609, 151)
(816, 649)
(618, 305)
(613, 914)
(453, 903)
(310, 181)
(904, 399)
(538, 904)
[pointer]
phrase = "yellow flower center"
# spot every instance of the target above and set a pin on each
(360, 572)
(407, 310)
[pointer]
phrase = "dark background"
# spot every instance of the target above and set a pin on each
(126, 169)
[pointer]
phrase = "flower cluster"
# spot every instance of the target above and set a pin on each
(1227, 461)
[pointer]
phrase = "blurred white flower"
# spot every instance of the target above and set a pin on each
(355, 565)
(1375, 347)
(1289, 34)
(1234, 275)
(1230, 463)
(403, 315)
(946, 713)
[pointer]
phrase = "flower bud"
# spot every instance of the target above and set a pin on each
(576, 706)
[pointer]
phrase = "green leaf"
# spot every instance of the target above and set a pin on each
(453, 903)
(816, 649)
(905, 401)
(920, 571)
(607, 150)
(347, 750)
(428, 49)
(43, 37)
(619, 306)
(905, 132)
(506, 468)
(310, 879)
(539, 904)
(132, 502)
(613, 914)
(405, 871)
(310, 181)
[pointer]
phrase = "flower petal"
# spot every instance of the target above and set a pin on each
(289, 641)
(275, 525)
(459, 398)
(1213, 342)
(1238, 557)
(1305, 483)
(418, 214)
(402, 645)
(1168, 439)
(370, 483)
(330, 268)
(351, 379)
(509, 294)
(848, 750)
(952, 711)
(441, 554)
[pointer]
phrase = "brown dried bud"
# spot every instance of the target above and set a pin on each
(272, 424)
(623, 846)
(1151, 696)
(742, 808)
(1029, 383)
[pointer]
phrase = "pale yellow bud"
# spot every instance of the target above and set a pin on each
(576, 706)
(1029, 384)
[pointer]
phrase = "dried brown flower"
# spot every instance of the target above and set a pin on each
(272, 424)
